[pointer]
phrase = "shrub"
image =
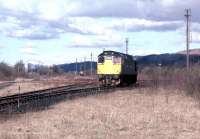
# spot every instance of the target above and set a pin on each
(192, 82)
(174, 77)
(6, 71)
(20, 68)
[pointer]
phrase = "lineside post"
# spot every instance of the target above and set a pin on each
(84, 66)
(91, 65)
(188, 19)
(76, 67)
(126, 45)
(19, 88)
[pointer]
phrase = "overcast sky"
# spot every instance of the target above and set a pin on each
(59, 31)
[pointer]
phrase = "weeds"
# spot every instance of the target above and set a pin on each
(173, 77)
(192, 83)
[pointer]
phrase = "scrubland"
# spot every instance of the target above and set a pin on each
(163, 108)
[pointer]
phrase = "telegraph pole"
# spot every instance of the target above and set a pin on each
(126, 45)
(188, 19)
(84, 66)
(91, 65)
(76, 66)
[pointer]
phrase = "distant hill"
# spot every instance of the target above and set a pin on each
(192, 52)
(167, 60)
(162, 59)
(149, 60)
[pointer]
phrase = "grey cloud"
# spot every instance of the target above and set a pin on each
(24, 21)
(161, 10)
(104, 8)
(196, 27)
(98, 45)
(154, 10)
(156, 27)
(36, 36)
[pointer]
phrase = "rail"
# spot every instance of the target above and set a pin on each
(18, 101)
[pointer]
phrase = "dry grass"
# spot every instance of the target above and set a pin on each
(178, 78)
(136, 113)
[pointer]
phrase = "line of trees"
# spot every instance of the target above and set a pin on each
(8, 72)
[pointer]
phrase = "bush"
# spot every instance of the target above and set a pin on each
(192, 82)
(173, 77)
(44, 70)
(20, 68)
(6, 71)
(57, 70)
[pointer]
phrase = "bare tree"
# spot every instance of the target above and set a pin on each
(20, 68)
(6, 71)
(44, 70)
(57, 69)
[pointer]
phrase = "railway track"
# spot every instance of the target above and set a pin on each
(43, 98)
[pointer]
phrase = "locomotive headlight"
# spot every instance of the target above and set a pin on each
(100, 76)
(116, 76)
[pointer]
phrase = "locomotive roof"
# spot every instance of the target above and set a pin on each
(114, 53)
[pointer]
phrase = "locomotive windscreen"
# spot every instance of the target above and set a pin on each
(116, 60)
(100, 59)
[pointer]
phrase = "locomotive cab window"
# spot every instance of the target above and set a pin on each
(100, 59)
(108, 57)
(117, 60)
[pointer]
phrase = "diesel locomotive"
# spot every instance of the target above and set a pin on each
(114, 68)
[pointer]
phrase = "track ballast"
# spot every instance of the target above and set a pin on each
(43, 98)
